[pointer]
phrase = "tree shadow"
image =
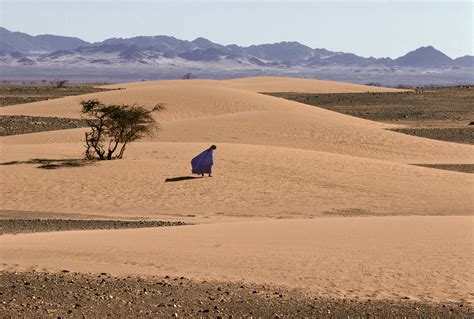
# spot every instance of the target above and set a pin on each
(180, 178)
(53, 163)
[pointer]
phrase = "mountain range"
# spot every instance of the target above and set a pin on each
(20, 51)
(144, 49)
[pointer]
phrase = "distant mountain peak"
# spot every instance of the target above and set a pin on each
(201, 39)
(22, 42)
(428, 47)
(203, 43)
(426, 56)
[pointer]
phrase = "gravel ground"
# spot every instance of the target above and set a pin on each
(464, 168)
(14, 226)
(71, 295)
(451, 134)
(21, 124)
(453, 104)
(12, 94)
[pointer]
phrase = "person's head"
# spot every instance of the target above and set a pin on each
(213, 147)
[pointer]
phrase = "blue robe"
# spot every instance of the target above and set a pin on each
(202, 164)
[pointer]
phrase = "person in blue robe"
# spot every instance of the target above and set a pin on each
(202, 164)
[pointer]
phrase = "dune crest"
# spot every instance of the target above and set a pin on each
(266, 84)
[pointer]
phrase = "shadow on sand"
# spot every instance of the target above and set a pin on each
(53, 163)
(180, 178)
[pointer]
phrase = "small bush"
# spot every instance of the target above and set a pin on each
(373, 84)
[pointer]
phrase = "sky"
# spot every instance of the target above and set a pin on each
(383, 28)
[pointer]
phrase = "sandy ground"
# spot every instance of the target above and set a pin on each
(441, 113)
(196, 112)
(252, 181)
(422, 258)
(267, 84)
(191, 98)
(281, 169)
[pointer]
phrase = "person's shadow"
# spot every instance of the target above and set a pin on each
(180, 178)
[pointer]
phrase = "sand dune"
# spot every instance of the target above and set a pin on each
(283, 84)
(276, 159)
(290, 130)
(267, 84)
(422, 258)
(253, 181)
(313, 131)
(184, 100)
(199, 112)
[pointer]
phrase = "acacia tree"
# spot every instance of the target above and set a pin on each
(187, 76)
(61, 83)
(114, 126)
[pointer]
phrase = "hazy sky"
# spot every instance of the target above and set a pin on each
(368, 28)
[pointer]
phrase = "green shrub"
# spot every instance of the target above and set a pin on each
(114, 126)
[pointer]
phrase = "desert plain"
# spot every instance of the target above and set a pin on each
(335, 210)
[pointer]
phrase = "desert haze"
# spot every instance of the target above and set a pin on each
(301, 197)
